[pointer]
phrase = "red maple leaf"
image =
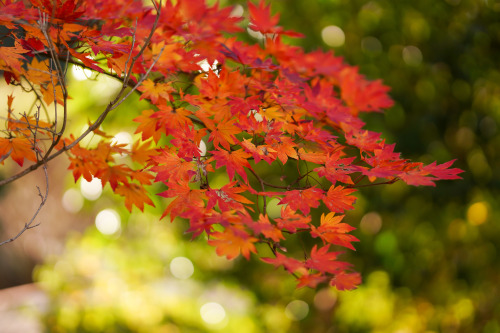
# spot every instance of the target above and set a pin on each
(134, 195)
(290, 264)
(416, 174)
(186, 199)
(291, 221)
(442, 171)
(311, 280)
(303, 199)
(262, 152)
(235, 161)
(223, 134)
(265, 227)
(346, 281)
(227, 197)
(363, 95)
(284, 148)
(332, 231)
(170, 166)
(338, 199)
(233, 241)
(324, 261)
(337, 169)
(262, 21)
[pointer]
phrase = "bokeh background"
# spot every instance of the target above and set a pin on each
(429, 256)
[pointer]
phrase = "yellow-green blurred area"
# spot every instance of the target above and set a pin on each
(430, 257)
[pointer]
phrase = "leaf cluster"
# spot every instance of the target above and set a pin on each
(251, 105)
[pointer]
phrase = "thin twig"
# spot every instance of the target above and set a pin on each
(30, 225)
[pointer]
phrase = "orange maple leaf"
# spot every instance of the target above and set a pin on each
(81, 167)
(265, 227)
(113, 175)
(223, 133)
(314, 157)
(332, 231)
(18, 148)
(291, 221)
(155, 91)
(338, 199)
(134, 195)
(186, 199)
(262, 152)
(11, 58)
(141, 153)
(232, 242)
(285, 148)
(170, 165)
(148, 126)
(171, 118)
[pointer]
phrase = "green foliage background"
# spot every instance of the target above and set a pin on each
(434, 264)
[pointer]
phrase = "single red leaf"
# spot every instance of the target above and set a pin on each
(235, 162)
(265, 227)
(338, 199)
(284, 148)
(186, 199)
(227, 197)
(134, 195)
(311, 280)
(303, 199)
(346, 281)
(262, 21)
(291, 221)
(233, 241)
(338, 169)
(262, 152)
(290, 264)
(324, 261)
(332, 231)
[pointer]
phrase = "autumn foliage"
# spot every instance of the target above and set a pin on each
(264, 112)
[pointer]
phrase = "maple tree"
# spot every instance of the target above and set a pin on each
(261, 110)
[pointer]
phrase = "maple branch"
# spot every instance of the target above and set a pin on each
(392, 181)
(262, 183)
(2, 158)
(111, 106)
(288, 187)
(39, 98)
(144, 46)
(29, 225)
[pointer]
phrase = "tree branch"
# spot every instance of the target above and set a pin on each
(119, 99)
(30, 224)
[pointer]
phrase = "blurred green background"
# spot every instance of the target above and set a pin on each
(429, 256)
